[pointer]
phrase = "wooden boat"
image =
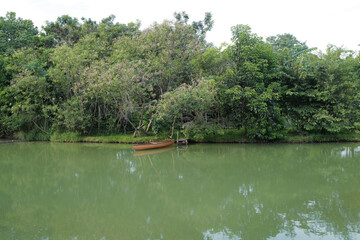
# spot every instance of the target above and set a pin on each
(152, 145)
(153, 151)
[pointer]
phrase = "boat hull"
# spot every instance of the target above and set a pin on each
(152, 145)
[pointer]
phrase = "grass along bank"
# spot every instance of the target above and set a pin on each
(237, 136)
(218, 136)
(115, 138)
(76, 137)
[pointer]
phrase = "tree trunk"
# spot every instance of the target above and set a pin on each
(99, 116)
(172, 128)
(45, 125)
(140, 122)
(39, 127)
(148, 126)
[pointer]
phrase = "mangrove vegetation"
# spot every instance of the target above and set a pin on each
(78, 78)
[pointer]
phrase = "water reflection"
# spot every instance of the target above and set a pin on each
(347, 152)
(77, 191)
(153, 151)
(223, 235)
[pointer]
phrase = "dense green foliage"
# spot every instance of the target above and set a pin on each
(90, 78)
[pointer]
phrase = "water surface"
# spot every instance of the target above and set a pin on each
(224, 191)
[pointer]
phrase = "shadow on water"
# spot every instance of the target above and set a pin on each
(91, 191)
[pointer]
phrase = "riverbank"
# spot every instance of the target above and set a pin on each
(10, 140)
(225, 136)
(291, 138)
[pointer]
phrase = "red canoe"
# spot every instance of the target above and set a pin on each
(152, 145)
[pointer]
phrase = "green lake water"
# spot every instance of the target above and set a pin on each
(223, 191)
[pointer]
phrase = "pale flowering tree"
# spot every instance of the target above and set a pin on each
(168, 51)
(193, 103)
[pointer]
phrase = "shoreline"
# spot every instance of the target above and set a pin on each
(215, 139)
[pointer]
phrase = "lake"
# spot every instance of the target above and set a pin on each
(201, 191)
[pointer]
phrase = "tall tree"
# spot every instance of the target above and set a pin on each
(251, 92)
(289, 41)
(16, 33)
(200, 27)
(190, 104)
(110, 30)
(325, 96)
(64, 30)
(167, 50)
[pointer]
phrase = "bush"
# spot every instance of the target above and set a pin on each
(199, 132)
(66, 137)
(33, 135)
(272, 129)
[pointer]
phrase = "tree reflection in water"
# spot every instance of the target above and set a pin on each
(63, 191)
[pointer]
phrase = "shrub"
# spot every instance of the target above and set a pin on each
(199, 132)
(66, 137)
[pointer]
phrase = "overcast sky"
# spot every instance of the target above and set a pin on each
(318, 22)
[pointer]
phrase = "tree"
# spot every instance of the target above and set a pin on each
(16, 33)
(329, 93)
(111, 96)
(255, 61)
(258, 110)
(200, 27)
(110, 30)
(25, 98)
(167, 50)
(214, 61)
(251, 92)
(190, 104)
(287, 41)
(65, 30)
(68, 30)
(4, 74)
(32, 108)
(88, 27)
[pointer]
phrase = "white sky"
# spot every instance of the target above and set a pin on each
(318, 22)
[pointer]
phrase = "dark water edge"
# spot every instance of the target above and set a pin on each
(4, 140)
(128, 139)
